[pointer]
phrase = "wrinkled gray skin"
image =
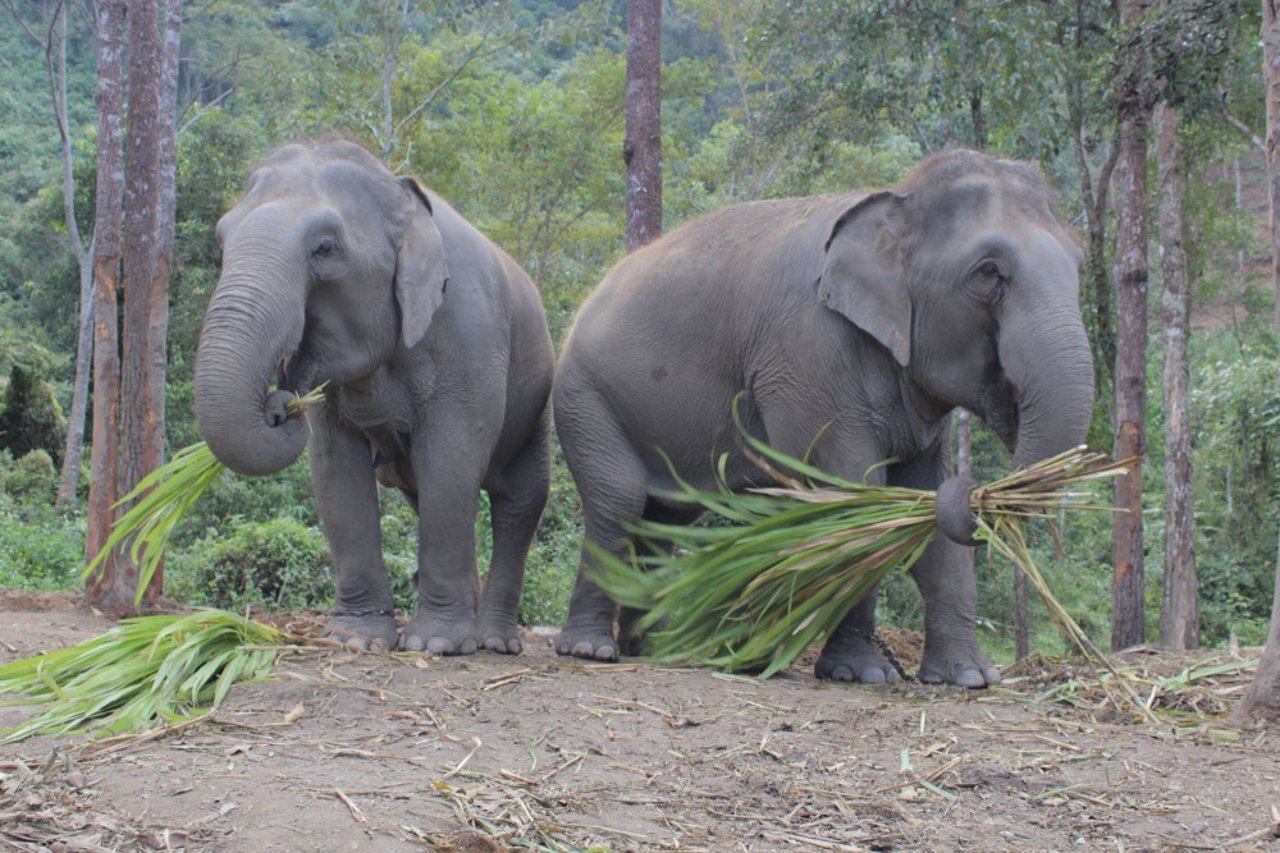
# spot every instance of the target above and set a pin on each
(439, 366)
(854, 324)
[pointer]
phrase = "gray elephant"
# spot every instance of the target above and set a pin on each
(438, 361)
(853, 325)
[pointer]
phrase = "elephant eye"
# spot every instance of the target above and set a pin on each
(326, 247)
(989, 282)
(990, 269)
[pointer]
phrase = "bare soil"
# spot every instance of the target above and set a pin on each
(344, 751)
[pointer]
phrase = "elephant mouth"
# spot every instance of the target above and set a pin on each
(296, 373)
(1002, 413)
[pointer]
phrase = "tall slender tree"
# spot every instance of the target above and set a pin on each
(1179, 619)
(1128, 622)
(109, 586)
(642, 145)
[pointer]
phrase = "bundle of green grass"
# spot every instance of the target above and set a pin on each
(793, 559)
(155, 669)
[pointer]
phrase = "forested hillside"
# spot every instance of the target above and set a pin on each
(514, 113)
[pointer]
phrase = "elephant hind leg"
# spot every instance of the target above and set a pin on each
(630, 638)
(613, 491)
(516, 501)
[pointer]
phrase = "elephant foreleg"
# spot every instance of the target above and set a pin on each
(949, 588)
(342, 476)
(851, 652)
(447, 464)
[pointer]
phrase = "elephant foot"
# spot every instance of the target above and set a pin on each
(501, 637)
(586, 643)
(440, 636)
(964, 665)
(365, 630)
(863, 666)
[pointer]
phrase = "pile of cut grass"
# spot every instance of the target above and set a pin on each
(144, 671)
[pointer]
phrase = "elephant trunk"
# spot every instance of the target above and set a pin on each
(1053, 372)
(253, 326)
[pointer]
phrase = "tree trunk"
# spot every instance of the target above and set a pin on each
(110, 586)
(1263, 698)
(72, 453)
(642, 147)
(1131, 272)
(142, 413)
(148, 203)
(1271, 80)
(1179, 617)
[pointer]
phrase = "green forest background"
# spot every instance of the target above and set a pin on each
(514, 112)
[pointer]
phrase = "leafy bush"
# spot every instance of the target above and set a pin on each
(30, 417)
(32, 479)
(40, 549)
(280, 563)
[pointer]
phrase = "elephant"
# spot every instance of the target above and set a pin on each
(438, 363)
(847, 327)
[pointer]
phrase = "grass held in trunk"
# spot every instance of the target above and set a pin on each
(145, 670)
(753, 595)
(163, 498)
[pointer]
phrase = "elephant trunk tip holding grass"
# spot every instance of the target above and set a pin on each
(438, 361)
(851, 326)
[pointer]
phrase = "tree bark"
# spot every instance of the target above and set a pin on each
(109, 588)
(1179, 616)
(1128, 621)
(1263, 698)
(642, 146)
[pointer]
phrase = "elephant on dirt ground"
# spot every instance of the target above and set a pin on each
(438, 361)
(848, 327)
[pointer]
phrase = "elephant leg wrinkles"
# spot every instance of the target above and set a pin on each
(347, 499)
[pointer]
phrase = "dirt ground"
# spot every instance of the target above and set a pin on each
(373, 752)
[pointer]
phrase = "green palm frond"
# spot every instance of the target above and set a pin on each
(145, 670)
(754, 594)
(163, 498)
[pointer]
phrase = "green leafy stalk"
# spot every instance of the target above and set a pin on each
(163, 498)
(143, 671)
(753, 595)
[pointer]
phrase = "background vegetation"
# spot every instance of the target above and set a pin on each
(514, 111)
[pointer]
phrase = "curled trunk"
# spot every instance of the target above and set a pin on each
(253, 325)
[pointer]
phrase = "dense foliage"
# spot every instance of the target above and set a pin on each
(513, 111)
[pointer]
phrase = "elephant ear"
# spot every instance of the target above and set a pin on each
(862, 272)
(421, 273)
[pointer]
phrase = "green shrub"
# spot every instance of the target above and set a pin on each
(280, 564)
(40, 549)
(32, 479)
(30, 417)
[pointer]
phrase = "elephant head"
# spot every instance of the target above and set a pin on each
(965, 274)
(330, 265)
